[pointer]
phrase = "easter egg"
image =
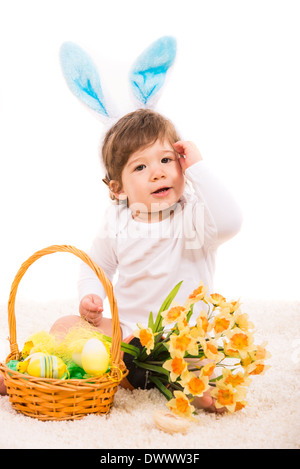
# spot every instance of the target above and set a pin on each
(94, 357)
(45, 366)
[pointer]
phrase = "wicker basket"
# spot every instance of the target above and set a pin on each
(56, 399)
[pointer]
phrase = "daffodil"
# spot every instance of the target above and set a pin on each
(233, 306)
(210, 348)
(193, 384)
(182, 323)
(239, 405)
(257, 368)
(182, 343)
(176, 366)
(242, 321)
(258, 353)
(222, 322)
(240, 341)
(208, 369)
(197, 295)
(230, 352)
(180, 405)
(174, 314)
(216, 299)
(228, 396)
(146, 337)
(239, 378)
(202, 326)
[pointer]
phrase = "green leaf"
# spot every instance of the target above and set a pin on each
(161, 387)
(127, 348)
(166, 304)
(150, 321)
(188, 317)
(147, 366)
(131, 349)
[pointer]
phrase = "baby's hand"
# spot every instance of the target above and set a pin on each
(90, 309)
(189, 154)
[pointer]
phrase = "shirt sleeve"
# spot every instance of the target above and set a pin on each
(223, 211)
(103, 253)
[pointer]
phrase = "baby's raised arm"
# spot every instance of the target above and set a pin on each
(189, 152)
(90, 308)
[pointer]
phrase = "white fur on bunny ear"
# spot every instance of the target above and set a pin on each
(82, 78)
(149, 71)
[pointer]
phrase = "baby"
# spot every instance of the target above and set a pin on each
(169, 215)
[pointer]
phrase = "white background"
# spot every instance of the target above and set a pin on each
(234, 91)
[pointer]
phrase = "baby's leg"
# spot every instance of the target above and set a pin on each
(206, 402)
(62, 326)
(3, 391)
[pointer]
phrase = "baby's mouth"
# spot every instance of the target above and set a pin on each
(161, 190)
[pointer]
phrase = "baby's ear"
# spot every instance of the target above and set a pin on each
(116, 189)
(149, 71)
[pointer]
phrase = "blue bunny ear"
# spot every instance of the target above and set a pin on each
(82, 77)
(148, 73)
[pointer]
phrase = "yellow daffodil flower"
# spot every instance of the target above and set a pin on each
(258, 353)
(184, 342)
(211, 351)
(193, 384)
(257, 368)
(239, 405)
(216, 299)
(228, 396)
(240, 341)
(176, 366)
(235, 379)
(202, 326)
(261, 353)
(174, 314)
(180, 405)
(233, 306)
(197, 295)
(242, 321)
(146, 337)
(222, 322)
(208, 369)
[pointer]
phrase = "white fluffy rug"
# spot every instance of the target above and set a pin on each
(272, 419)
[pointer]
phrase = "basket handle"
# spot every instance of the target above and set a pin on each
(107, 285)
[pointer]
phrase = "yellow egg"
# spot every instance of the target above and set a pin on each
(43, 365)
(94, 357)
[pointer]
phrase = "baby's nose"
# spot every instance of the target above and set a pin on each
(158, 173)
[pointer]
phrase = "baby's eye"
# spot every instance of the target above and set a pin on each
(166, 160)
(140, 167)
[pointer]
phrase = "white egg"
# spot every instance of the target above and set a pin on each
(94, 357)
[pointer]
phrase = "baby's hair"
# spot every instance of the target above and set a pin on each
(135, 131)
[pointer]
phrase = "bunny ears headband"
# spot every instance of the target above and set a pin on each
(146, 77)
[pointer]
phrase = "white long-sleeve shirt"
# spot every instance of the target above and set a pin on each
(151, 258)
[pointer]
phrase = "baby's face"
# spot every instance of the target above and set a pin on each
(152, 179)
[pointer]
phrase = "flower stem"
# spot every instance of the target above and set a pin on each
(165, 391)
(146, 366)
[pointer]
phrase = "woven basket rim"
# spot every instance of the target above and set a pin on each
(28, 378)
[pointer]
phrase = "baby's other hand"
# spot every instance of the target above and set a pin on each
(189, 154)
(90, 309)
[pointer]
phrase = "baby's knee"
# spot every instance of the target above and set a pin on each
(62, 326)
